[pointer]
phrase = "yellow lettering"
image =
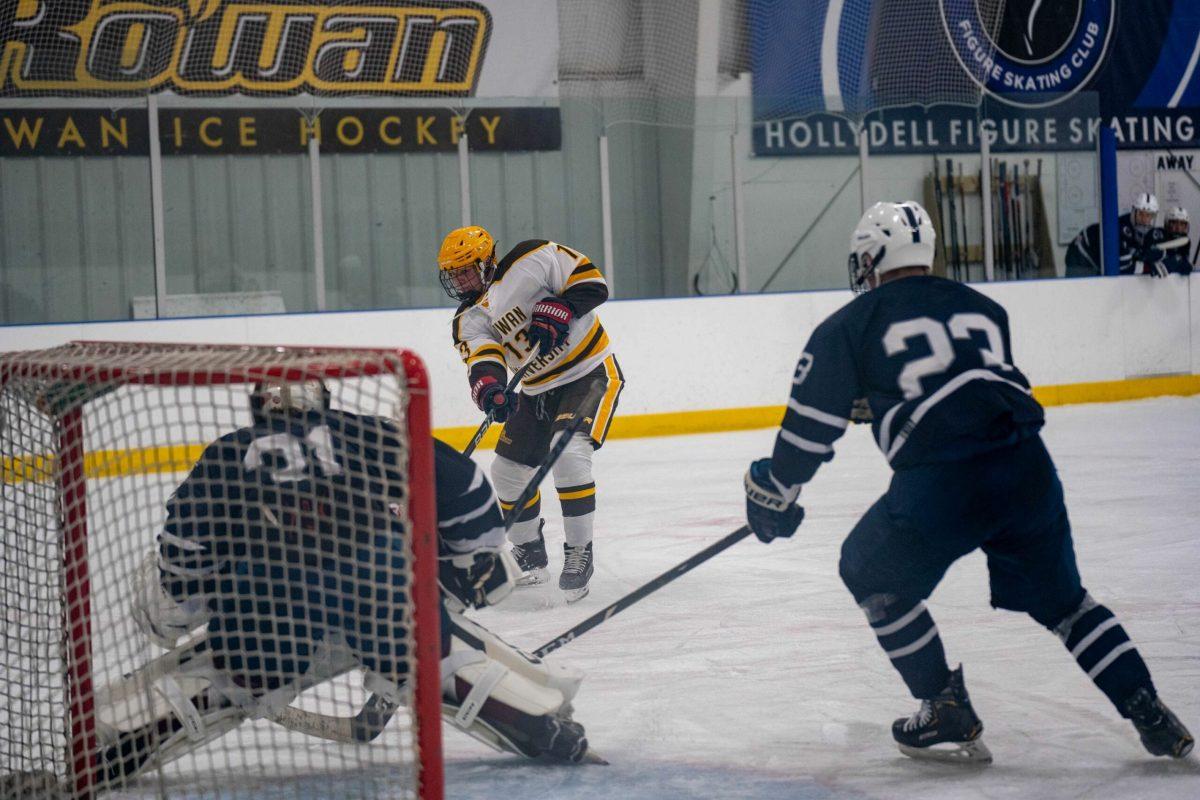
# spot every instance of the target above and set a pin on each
(131, 49)
(383, 134)
(490, 129)
(341, 131)
(204, 137)
(70, 133)
(308, 129)
(246, 131)
(23, 132)
(28, 9)
(177, 126)
(457, 126)
(121, 134)
(423, 134)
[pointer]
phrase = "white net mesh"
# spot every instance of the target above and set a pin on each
(858, 56)
(133, 473)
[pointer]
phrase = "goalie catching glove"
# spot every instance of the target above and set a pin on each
(476, 579)
(769, 513)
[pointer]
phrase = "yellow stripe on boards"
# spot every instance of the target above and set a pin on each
(1117, 391)
(181, 457)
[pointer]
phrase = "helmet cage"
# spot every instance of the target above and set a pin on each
(465, 283)
(861, 268)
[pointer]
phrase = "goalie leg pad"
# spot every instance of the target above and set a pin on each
(503, 708)
(552, 674)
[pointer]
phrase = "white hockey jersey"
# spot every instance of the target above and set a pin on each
(493, 328)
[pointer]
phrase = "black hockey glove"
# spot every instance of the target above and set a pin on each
(769, 514)
(489, 394)
(478, 579)
(551, 319)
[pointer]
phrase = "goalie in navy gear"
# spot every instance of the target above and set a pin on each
(286, 545)
(957, 422)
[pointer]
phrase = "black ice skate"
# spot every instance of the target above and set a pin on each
(577, 571)
(532, 559)
(947, 719)
(1161, 731)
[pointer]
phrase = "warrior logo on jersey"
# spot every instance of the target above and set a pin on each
(1033, 53)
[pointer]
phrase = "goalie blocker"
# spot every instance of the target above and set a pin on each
(249, 664)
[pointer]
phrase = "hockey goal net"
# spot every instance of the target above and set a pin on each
(330, 565)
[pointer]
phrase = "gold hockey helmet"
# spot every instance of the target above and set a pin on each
(466, 261)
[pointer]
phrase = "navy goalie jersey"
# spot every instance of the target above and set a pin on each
(932, 360)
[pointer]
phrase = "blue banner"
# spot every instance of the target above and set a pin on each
(1049, 73)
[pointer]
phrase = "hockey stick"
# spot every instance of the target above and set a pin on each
(941, 225)
(556, 450)
(637, 594)
(487, 420)
(953, 216)
(375, 714)
(962, 194)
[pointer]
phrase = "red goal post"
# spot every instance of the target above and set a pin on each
(94, 436)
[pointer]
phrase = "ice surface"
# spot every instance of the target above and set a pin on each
(756, 676)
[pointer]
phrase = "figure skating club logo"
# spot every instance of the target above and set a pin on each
(1030, 52)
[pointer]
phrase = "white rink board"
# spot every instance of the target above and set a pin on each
(733, 352)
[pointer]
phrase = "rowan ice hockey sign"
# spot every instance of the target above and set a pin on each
(268, 47)
(1037, 53)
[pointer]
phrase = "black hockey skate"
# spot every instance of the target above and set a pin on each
(532, 559)
(947, 719)
(1161, 731)
(577, 571)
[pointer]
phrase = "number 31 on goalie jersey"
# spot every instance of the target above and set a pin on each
(292, 453)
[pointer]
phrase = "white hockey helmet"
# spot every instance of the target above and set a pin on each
(1177, 221)
(1144, 212)
(280, 397)
(890, 236)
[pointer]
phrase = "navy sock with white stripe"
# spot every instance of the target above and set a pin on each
(911, 640)
(1102, 649)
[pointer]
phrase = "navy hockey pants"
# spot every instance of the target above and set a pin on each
(1007, 502)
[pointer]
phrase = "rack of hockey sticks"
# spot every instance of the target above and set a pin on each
(1019, 235)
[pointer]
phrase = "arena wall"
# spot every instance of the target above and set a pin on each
(722, 363)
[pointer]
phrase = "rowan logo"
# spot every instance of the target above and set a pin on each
(1034, 53)
(226, 47)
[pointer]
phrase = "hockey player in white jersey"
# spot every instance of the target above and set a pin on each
(537, 305)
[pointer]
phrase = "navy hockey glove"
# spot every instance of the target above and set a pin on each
(489, 394)
(548, 327)
(769, 514)
(478, 579)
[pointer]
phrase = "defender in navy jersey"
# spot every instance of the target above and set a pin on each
(284, 543)
(929, 362)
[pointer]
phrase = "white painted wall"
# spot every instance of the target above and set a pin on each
(725, 352)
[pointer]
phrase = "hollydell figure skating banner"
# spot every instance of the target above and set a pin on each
(935, 75)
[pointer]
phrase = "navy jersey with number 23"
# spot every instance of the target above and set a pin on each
(933, 360)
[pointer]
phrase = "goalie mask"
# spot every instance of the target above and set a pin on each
(889, 236)
(467, 262)
(276, 397)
